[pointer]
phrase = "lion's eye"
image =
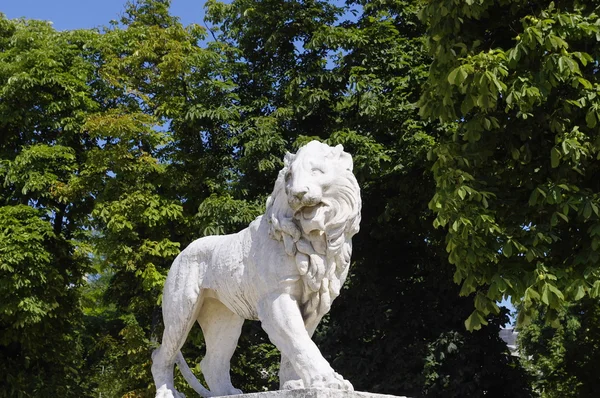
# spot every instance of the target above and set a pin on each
(317, 171)
(288, 175)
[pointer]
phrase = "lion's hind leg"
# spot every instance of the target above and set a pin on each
(182, 299)
(222, 329)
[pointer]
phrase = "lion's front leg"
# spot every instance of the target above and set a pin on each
(288, 378)
(282, 320)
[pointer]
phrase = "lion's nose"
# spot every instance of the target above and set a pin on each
(299, 194)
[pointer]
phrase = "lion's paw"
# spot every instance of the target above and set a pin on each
(225, 390)
(293, 385)
(234, 391)
(332, 380)
(346, 384)
(165, 392)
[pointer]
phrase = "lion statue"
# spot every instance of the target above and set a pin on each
(284, 270)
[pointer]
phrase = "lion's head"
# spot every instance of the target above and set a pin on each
(315, 210)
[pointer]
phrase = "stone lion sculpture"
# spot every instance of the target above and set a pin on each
(284, 270)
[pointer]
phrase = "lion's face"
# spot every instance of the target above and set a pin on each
(317, 177)
(317, 196)
(313, 173)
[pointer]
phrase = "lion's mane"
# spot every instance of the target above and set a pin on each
(319, 238)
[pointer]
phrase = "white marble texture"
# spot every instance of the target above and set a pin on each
(284, 270)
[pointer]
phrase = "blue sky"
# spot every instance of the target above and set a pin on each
(81, 14)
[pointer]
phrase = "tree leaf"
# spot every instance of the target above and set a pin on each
(590, 119)
(555, 157)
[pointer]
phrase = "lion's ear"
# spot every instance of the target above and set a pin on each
(288, 159)
(346, 160)
(344, 157)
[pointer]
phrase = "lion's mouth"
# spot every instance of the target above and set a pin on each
(312, 217)
(309, 212)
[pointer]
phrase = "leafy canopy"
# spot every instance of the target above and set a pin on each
(517, 174)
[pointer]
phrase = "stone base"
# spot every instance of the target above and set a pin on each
(313, 393)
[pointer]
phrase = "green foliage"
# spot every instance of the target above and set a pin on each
(25, 272)
(563, 361)
(44, 96)
(516, 175)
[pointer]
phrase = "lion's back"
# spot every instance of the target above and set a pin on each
(217, 256)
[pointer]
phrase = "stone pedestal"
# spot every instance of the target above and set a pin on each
(313, 393)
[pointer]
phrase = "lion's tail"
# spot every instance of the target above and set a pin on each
(190, 377)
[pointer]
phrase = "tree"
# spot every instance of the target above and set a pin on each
(164, 175)
(45, 96)
(563, 361)
(516, 175)
(80, 150)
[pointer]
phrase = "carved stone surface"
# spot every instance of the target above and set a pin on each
(285, 270)
(316, 393)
